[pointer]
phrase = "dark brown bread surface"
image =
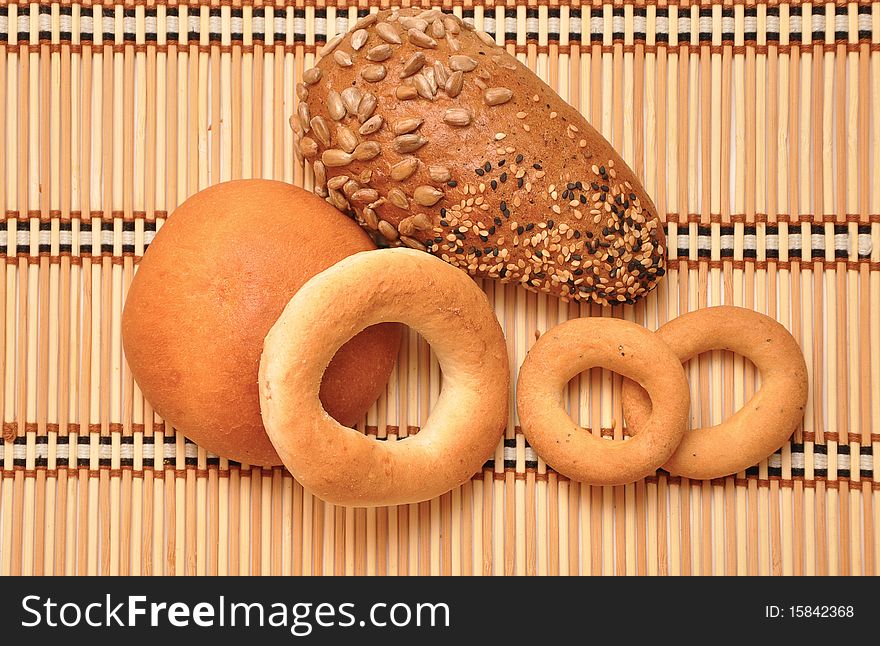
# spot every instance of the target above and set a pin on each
(435, 138)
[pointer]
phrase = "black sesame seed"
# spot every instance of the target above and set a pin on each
(595, 186)
(459, 250)
(484, 238)
(565, 194)
(601, 170)
(452, 183)
(503, 272)
(530, 226)
(442, 211)
(660, 271)
(520, 229)
(577, 234)
(536, 166)
(503, 206)
(495, 252)
(487, 166)
(549, 224)
(503, 177)
(604, 188)
(519, 182)
(438, 239)
(583, 199)
(579, 186)
(478, 253)
(570, 185)
(606, 231)
(578, 272)
(479, 171)
(498, 221)
(633, 197)
(460, 236)
(444, 223)
(502, 162)
(576, 256)
(494, 185)
(492, 229)
(572, 289)
(519, 158)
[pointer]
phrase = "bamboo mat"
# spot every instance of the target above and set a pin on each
(755, 128)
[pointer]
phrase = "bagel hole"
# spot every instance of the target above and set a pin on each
(409, 395)
(720, 383)
(584, 397)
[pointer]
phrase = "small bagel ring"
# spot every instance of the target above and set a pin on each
(627, 348)
(343, 466)
(767, 419)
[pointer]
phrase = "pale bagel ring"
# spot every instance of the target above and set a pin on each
(767, 419)
(445, 306)
(627, 348)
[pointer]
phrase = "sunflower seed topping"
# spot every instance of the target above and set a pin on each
(427, 195)
(334, 158)
(320, 173)
(421, 39)
(403, 126)
(366, 107)
(379, 53)
(365, 195)
(451, 26)
(404, 168)
(337, 182)
(346, 139)
(438, 30)
(366, 21)
(302, 111)
(373, 73)
(414, 23)
(312, 75)
(331, 44)
(351, 99)
(454, 45)
(409, 143)
(342, 58)
(405, 92)
(423, 87)
(388, 33)
(367, 150)
(321, 130)
(371, 125)
(335, 106)
(302, 92)
(497, 95)
(368, 215)
(412, 65)
(462, 63)
(308, 147)
(439, 174)
(350, 188)
(454, 84)
(388, 231)
(441, 74)
(457, 117)
(358, 39)
(486, 38)
(398, 198)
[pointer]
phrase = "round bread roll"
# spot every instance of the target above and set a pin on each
(209, 288)
(437, 139)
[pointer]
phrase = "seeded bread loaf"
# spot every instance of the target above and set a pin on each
(435, 138)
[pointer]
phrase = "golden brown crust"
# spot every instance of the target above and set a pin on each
(765, 422)
(210, 286)
(446, 307)
(439, 140)
(622, 346)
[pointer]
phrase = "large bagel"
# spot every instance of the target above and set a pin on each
(447, 308)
